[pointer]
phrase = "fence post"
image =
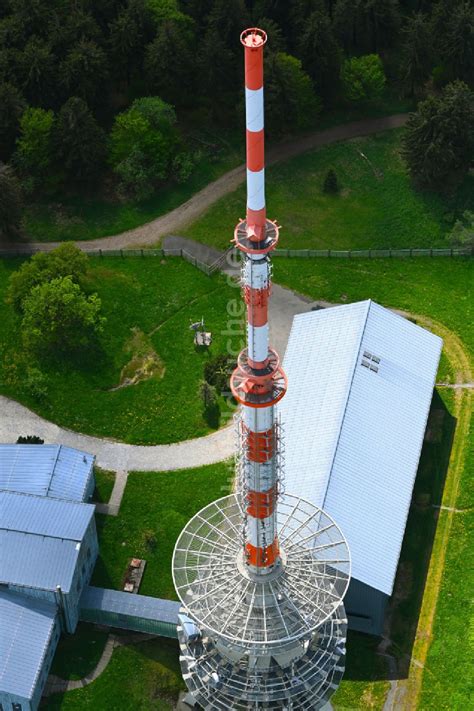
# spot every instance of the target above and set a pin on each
(390, 252)
(100, 252)
(329, 252)
(431, 252)
(370, 254)
(350, 253)
(411, 252)
(142, 251)
(121, 253)
(452, 252)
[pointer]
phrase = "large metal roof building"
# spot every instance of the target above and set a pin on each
(361, 380)
(28, 637)
(47, 470)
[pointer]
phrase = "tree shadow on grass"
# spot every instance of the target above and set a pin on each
(364, 661)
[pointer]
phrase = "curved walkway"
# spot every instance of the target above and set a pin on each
(178, 218)
(17, 420)
(57, 685)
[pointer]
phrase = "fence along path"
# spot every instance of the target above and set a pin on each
(220, 262)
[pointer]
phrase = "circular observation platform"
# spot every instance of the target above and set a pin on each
(292, 601)
(268, 242)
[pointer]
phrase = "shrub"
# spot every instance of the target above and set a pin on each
(30, 439)
(36, 383)
(212, 412)
(331, 183)
(462, 234)
(217, 371)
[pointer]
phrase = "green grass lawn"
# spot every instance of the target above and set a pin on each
(439, 288)
(376, 208)
(140, 677)
(104, 484)
(149, 304)
(155, 508)
(78, 654)
(364, 685)
(448, 681)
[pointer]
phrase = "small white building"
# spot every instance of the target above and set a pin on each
(360, 383)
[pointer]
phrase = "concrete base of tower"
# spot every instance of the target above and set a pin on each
(186, 701)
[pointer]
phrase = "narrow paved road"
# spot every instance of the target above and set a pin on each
(175, 220)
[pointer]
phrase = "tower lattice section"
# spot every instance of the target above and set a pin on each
(261, 574)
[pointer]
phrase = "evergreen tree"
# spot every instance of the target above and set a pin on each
(84, 69)
(125, 42)
(169, 64)
(320, 53)
(80, 142)
(416, 54)
(331, 183)
(37, 67)
(439, 140)
(12, 105)
(458, 44)
(10, 204)
(366, 25)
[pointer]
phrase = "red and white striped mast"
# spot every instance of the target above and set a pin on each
(258, 382)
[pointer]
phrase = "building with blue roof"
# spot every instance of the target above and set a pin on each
(49, 548)
(29, 634)
(50, 470)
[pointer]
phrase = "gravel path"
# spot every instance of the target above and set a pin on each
(175, 220)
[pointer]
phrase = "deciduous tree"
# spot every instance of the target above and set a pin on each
(143, 143)
(363, 78)
(58, 317)
(34, 153)
(291, 102)
(65, 260)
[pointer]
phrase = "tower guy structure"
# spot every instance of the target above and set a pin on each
(261, 574)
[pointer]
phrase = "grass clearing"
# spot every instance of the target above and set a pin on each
(144, 677)
(104, 484)
(376, 208)
(78, 654)
(147, 343)
(155, 507)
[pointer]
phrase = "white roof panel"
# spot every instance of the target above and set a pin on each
(353, 435)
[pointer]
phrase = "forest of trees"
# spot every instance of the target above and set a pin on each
(90, 88)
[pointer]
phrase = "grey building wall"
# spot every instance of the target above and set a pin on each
(68, 601)
(12, 702)
(365, 608)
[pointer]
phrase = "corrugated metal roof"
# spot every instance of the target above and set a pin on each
(40, 539)
(45, 470)
(149, 608)
(25, 631)
(37, 562)
(353, 434)
(45, 517)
